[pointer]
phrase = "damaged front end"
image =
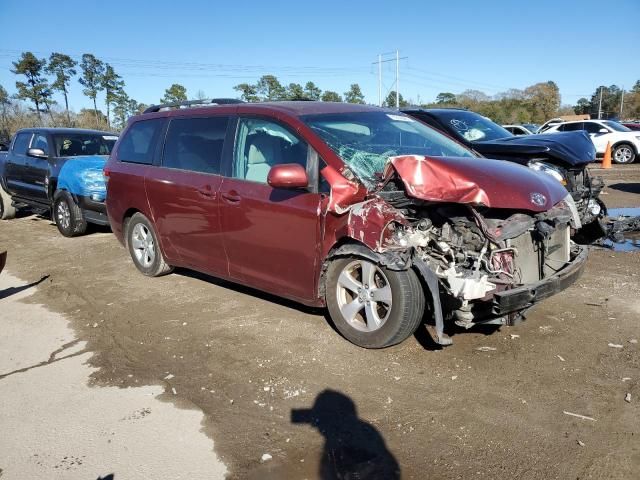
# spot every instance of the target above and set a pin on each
(485, 256)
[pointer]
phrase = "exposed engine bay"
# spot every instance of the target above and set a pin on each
(477, 252)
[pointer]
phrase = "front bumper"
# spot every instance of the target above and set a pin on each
(519, 298)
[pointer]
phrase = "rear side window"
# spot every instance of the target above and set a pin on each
(21, 143)
(138, 143)
(572, 127)
(195, 144)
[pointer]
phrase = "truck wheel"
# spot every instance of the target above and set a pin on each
(144, 247)
(623, 154)
(371, 306)
(67, 215)
(7, 211)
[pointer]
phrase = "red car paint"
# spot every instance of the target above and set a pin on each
(480, 181)
(277, 240)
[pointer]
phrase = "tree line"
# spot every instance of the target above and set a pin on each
(41, 80)
(541, 102)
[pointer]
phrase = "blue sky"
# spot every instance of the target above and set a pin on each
(451, 46)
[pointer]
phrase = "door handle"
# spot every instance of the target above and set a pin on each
(207, 192)
(231, 197)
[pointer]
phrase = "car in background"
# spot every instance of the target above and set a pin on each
(631, 125)
(57, 171)
(361, 209)
(518, 129)
(625, 143)
(565, 157)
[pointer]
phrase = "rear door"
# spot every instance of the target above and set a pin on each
(16, 173)
(271, 236)
(183, 192)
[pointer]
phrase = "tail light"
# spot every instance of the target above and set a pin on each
(107, 173)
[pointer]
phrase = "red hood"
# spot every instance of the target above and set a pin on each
(476, 181)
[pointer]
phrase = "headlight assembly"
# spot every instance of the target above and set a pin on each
(548, 169)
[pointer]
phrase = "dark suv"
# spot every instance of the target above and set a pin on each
(363, 210)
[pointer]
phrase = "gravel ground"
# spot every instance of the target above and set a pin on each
(499, 403)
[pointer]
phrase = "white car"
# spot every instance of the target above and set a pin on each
(625, 143)
(518, 129)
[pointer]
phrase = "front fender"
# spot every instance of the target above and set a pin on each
(83, 177)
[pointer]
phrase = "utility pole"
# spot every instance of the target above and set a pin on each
(622, 104)
(397, 83)
(397, 80)
(600, 105)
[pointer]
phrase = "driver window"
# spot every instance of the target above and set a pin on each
(261, 144)
(40, 141)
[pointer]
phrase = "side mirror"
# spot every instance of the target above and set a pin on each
(288, 175)
(603, 130)
(36, 152)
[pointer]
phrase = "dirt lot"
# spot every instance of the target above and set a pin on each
(249, 360)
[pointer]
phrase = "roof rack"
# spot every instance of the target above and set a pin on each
(192, 103)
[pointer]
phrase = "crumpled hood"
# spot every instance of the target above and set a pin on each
(572, 148)
(476, 181)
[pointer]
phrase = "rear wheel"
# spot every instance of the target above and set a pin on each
(68, 215)
(372, 306)
(144, 248)
(623, 153)
(7, 211)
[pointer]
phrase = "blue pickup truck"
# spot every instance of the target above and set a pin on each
(57, 171)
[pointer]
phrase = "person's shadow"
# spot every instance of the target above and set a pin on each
(353, 449)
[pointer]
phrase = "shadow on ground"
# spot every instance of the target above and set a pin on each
(7, 292)
(353, 448)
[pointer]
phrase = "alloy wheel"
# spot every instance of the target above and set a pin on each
(63, 215)
(623, 154)
(143, 245)
(364, 295)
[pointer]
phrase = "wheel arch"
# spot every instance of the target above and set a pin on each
(625, 142)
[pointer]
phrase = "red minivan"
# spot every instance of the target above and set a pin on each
(364, 210)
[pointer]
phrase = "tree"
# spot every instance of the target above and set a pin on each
(4, 104)
(270, 89)
(390, 101)
(354, 94)
(36, 88)
(312, 92)
(174, 94)
(582, 106)
(295, 92)
(91, 79)
(112, 85)
(62, 67)
(248, 93)
(329, 96)
(544, 100)
(445, 97)
(124, 107)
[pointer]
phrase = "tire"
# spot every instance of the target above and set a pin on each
(144, 247)
(67, 215)
(623, 154)
(396, 302)
(7, 211)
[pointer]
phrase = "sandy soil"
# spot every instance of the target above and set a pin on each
(250, 361)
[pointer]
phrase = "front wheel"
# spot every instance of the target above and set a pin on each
(67, 215)
(623, 154)
(144, 248)
(7, 211)
(372, 306)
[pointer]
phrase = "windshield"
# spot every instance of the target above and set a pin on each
(366, 140)
(82, 144)
(616, 126)
(471, 126)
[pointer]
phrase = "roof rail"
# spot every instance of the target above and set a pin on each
(192, 103)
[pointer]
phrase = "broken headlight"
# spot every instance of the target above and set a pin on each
(548, 169)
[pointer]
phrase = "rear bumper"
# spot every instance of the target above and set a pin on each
(519, 298)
